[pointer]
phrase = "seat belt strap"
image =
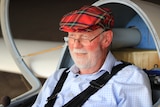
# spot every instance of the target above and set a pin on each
(51, 100)
(81, 98)
(95, 85)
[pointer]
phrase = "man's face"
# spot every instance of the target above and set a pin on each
(85, 54)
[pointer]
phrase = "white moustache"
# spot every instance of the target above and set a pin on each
(79, 51)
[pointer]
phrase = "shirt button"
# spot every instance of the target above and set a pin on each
(76, 75)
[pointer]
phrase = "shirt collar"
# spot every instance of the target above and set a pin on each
(108, 63)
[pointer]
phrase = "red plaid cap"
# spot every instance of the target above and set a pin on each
(86, 19)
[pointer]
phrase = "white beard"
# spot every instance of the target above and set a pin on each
(85, 62)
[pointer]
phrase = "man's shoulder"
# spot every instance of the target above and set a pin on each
(131, 72)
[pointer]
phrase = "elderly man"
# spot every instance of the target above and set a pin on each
(89, 38)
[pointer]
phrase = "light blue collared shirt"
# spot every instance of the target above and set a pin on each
(130, 87)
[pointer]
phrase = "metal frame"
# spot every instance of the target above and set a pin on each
(27, 73)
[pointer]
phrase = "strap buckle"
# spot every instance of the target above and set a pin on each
(96, 85)
(52, 97)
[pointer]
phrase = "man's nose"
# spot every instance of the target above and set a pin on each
(77, 43)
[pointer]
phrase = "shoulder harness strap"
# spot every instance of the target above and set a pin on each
(51, 100)
(94, 86)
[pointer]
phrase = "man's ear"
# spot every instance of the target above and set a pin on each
(107, 38)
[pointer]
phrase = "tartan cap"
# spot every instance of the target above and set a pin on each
(86, 19)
